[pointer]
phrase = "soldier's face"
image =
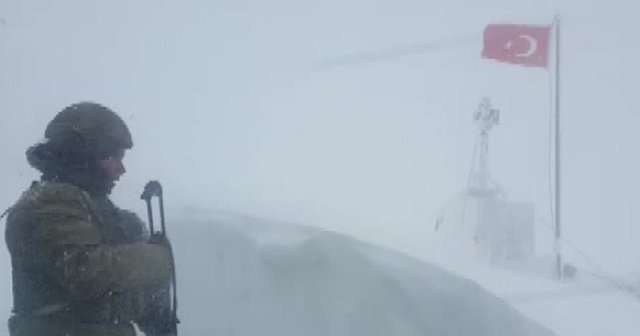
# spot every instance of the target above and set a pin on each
(113, 165)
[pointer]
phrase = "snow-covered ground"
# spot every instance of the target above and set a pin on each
(245, 276)
(583, 306)
(270, 272)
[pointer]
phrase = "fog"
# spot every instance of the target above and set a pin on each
(277, 109)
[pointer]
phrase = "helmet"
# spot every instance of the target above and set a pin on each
(90, 125)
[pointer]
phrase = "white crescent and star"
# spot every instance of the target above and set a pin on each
(531, 49)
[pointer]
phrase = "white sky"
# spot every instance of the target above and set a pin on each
(229, 108)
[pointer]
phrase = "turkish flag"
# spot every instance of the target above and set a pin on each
(517, 44)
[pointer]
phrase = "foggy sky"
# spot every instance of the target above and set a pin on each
(231, 108)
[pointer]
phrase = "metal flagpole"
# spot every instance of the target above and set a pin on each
(558, 171)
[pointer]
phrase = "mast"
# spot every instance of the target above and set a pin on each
(558, 171)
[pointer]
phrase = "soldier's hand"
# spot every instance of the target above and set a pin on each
(133, 226)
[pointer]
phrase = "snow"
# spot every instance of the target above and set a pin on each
(240, 275)
(584, 306)
(250, 277)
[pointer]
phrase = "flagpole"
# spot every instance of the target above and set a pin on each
(558, 171)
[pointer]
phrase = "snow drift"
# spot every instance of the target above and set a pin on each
(244, 276)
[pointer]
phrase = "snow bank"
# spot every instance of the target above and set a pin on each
(243, 276)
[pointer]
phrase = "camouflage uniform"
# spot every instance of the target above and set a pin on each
(81, 266)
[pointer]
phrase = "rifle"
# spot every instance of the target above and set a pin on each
(151, 189)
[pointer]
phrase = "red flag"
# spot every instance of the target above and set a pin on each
(517, 44)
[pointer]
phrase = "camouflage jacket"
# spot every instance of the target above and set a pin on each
(81, 258)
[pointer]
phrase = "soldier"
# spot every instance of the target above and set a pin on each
(82, 266)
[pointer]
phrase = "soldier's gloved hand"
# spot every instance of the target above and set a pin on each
(133, 227)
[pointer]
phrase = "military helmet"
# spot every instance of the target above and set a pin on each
(96, 127)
